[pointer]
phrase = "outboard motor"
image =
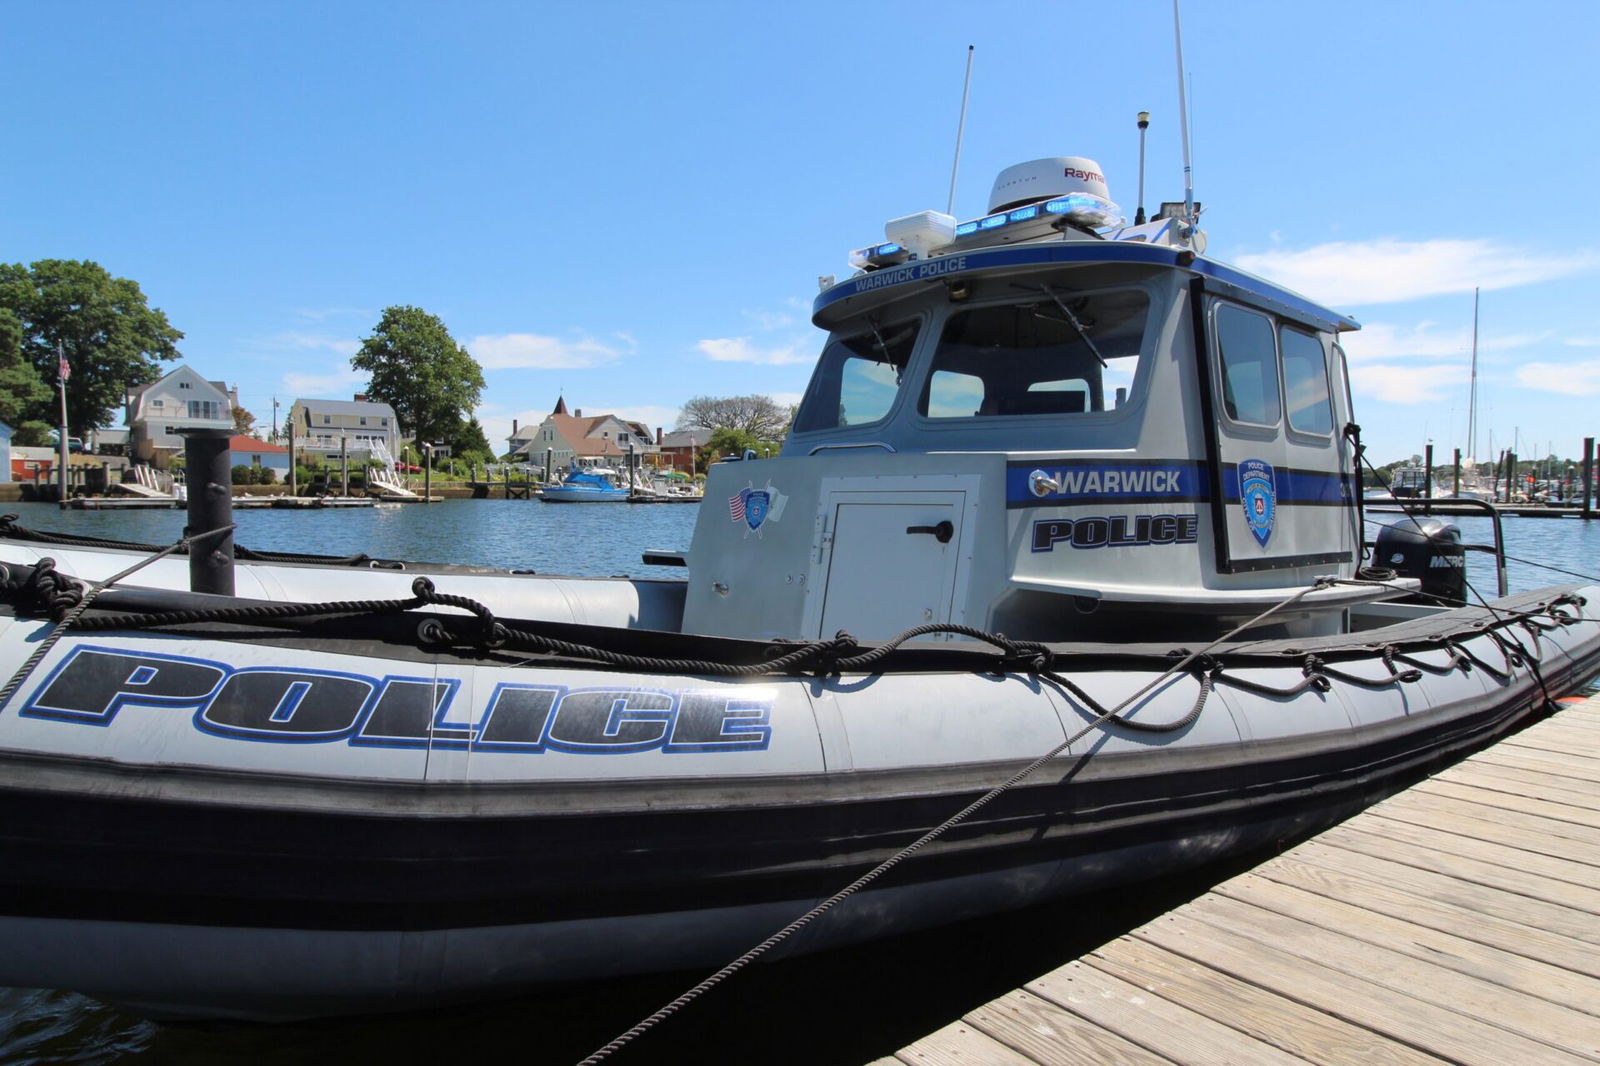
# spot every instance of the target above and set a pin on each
(1429, 549)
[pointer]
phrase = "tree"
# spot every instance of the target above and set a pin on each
(21, 390)
(734, 442)
(419, 370)
(243, 421)
(469, 444)
(760, 416)
(111, 338)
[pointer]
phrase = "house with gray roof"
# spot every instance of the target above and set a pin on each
(324, 427)
(180, 399)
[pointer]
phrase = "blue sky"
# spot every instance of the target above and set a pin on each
(630, 203)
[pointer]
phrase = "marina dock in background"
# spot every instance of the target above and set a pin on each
(1458, 920)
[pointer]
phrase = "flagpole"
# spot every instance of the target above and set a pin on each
(64, 371)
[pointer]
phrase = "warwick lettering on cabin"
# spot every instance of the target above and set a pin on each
(1169, 482)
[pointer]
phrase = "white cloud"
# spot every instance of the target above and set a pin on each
(514, 351)
(1568, 379)
(741, 350)
(344, 347)
(1393, 271)
(340, 383)
(1387, 340)
(1410, 385)
(1583, 342)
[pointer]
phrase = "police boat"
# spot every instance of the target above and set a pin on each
(1066, 537)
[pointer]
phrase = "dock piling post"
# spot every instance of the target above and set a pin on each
(1455, 487)
(210, 507)
(1588, 477)
(1427, 471)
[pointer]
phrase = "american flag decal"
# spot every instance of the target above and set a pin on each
(736, 505)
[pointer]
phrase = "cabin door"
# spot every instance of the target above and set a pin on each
(1281, 483)
(890, 558)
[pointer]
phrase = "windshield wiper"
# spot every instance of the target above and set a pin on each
(1072, 320)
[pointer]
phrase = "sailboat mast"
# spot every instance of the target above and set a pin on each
(1472, 396)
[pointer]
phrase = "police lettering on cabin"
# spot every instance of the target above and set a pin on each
(320, 706)
(1116, 531)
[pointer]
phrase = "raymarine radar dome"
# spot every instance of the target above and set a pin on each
(1044, 179)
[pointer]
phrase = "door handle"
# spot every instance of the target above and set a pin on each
(941, 532)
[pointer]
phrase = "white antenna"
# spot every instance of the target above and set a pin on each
(1472, 395)
(1183, 122)
(961, 128)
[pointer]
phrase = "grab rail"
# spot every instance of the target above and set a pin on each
(855, 444)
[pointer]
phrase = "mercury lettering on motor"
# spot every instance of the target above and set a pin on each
(1115, 531)
(268, 703)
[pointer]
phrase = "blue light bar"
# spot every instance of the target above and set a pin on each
(887, 249)
(1022, 214)
(1063, 205)
(993, 222)
(966, 229)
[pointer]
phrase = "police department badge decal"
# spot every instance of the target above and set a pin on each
(1258, 491)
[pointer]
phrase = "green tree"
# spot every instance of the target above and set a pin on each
(736, 442)
(469, 444)
(243, 421)
(419, 370)
(21, 390)
(112, 338)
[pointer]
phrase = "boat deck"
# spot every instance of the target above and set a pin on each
(1456, 921)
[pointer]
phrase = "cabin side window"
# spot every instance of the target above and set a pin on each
(857, 378)
(1305, 382)
(1057, 353)
(1249, 361)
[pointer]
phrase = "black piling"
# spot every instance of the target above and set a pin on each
(210, 507)
(1588, 477)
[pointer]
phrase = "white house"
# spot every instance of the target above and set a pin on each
(181, 399)
(322, 427)
(597, 440)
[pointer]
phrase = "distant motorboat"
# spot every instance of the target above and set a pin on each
(586, 485)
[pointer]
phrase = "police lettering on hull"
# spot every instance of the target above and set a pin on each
(279, 705)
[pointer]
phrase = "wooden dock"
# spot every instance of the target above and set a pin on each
(1457, 921)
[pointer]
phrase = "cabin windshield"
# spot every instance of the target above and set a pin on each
(857, 377)
(1059, 352)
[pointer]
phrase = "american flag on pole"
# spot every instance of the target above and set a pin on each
(736, 505)
(65, 368)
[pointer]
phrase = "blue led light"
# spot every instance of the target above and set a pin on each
(1065, 204)
(966, 229)
(993, 222)
(1022, 214)
(888, 249)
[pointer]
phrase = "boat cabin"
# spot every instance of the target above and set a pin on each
(1048, 424)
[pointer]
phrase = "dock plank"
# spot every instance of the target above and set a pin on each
(1523, 782)
(1154, 1023)
(1460, 954)
(1469, 859)
(1517, 832)
(1456, 921)
(1265, 1014)
(1370, 962)
(1437, 1030)
(1384, 898)
(1543, 806)
(1479, 899)
(1049, 1035)
(1470, 812)
(959, 1044)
